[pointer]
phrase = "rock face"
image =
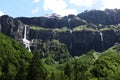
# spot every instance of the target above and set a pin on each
(78, 42)
(107, 17)
(12, 27)
(53, 22)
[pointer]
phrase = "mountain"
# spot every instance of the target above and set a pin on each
(53, 21)
(17, 63)
(82, 47)
(11, 27)
(82, 33)
(81, 41)
(95, 66)
(106, 17)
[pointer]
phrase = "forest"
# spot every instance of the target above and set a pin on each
(55, 63)
(74, 47)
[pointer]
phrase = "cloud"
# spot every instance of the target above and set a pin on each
(36, 10)
(84, 3)
(36, 1)
(54, 4)
(1, 13)
(66, 12)
(111, 4)
(59, 7)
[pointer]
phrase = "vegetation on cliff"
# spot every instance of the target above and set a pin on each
(16, 62)
(53, 62)
(72, 50)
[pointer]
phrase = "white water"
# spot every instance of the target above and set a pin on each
(70, 32)
(69, 26)
(101, 34)
(25, 41)
(69, 23)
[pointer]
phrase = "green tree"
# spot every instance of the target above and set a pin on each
(108, 64)
(11, 55)
(76, 70)
(22, 72)
(5, 71)
(37, 70)
(67, 70)
(55, 50)
(52, 76)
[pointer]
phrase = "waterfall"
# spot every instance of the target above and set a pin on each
(69, 26)
(101, 36)
(25, 32)
(68, 19)
(25, 41)
(70, 31)
(69, 23)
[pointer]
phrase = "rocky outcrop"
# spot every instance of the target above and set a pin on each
(80, 42)
(53, 22)
(107, 17)
(12, 27)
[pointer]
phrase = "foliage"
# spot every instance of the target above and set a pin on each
(37, 71)
(108, 64)
(79, 28)
(54, 51)
(53, 62)
(14, 59)
(63, 29)
(83, 64)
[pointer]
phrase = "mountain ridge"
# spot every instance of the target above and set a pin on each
(78, 34)
(106, 17)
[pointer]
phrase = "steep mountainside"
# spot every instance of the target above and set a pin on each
(88, 38)
(53, 22)
(80, 41)
(93, 29)
(107, 17)
(11, 27)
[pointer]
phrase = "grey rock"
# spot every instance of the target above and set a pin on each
(106, 17)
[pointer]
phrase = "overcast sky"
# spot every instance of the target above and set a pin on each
(31, 8)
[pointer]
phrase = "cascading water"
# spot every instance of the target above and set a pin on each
(101, 34)
(25, 41)
(25, 32)
(101, 38)
(69, 25)
(70, 31)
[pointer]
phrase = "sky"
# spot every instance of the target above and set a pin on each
(36, 8)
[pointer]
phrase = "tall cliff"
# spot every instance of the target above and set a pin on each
(106, 17)
(89, 30)
(79, 42)
(11, 27)
(53, 22)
